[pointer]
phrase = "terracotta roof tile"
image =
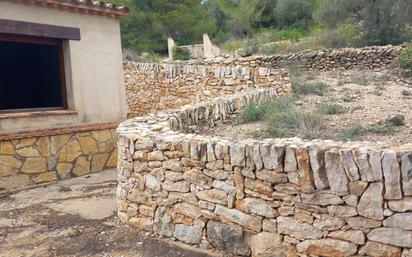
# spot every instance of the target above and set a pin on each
(82, 6)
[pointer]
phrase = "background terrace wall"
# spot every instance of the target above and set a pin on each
(282, 197)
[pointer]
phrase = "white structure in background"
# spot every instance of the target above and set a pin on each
(205, 50)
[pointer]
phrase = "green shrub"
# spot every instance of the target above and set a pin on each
(302, 87)
(180, 53)
(345, 35)
(253, 113)
(292, 12)
(293, 33)
(352, 133)
(385, 128)
(359, 79)
(331, 109)
(250, 47)
(404, 59)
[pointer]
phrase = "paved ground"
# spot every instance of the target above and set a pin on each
(76, 217)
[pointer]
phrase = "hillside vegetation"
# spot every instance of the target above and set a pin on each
(266, 26)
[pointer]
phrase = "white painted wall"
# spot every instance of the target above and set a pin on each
(93, 68)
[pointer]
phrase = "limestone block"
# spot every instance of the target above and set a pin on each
(34, 165)
(9, 165)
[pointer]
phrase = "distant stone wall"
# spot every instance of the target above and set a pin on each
(274, 197)
(374, 57)
(154, 87)
(48, 156)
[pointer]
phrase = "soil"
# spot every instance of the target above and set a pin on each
(368, 98)
(76, 217)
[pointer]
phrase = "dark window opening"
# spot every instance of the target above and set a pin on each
(31, 74)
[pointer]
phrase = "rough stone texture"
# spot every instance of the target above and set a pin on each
(391, 173)
(49, 158)
(379, 250)
(391, 236)
(267, 244)
(322, 197)
(371, 203)
(227, 237)
(406, 169)
(327, 247)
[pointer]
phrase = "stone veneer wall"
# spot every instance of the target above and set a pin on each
(36, 159)
(154, 87)
(274, 197)
(373, 57)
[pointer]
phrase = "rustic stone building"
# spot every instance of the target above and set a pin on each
(61, 89)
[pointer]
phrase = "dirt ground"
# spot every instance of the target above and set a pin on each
(76, 217)
(367, 98)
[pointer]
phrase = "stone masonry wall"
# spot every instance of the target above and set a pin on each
(373, 57)
(38, 159)
(274, 197)
(154, 87)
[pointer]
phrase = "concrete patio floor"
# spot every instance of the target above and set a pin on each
(76, 217)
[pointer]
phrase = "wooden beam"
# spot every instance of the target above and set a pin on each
(38, 30)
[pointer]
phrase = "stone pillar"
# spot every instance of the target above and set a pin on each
(170, 45)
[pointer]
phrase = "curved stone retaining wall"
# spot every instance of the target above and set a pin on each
(155, 87)
(373, 57)
(274, 197)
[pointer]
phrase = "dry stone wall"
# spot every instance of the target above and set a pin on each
(374, 57)
(39, 159)
(154, 87)
(274, 197)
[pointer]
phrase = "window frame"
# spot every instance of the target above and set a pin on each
(62, 73)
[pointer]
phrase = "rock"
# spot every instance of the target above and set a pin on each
(219, 184)
(213, 195)
(399, 220)
(289, 226)
(272, 156)
(305, 171)
(99, 161)
(379, 250)
(271, 176)
(329, 223)
(257, 159)
(317, 163)
(174, 165)
(361, 223)
(189, 234)
(327, 247)
(395, 120)
(321, 198)
(391, 236)
(351, 200)
(402, 205)
(349, 165)
(13, 182)
(181, 186)
(196, 177)
(362, 161)
(376, 165)
(248, 221)
(28, 151)
(371, 203)
(269, 225)
(256, 206)
(6, 148)
(357, 187)
(406, 168)
(227, 237)
(342, 211)
(70, 151)
(64, 169)
(32, 165)
(45, 177)
(353, 236)
(155, 156)
(9, 165)
(291, 163)
(88, 145)
(336, 175)
(82, 167)
(267, 244)
(217, 174)
(139, 223)
(391, 173)
(261, 187)
(237, 155)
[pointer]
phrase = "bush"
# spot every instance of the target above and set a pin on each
(293, 33)
(293, 12)
(331, 12)
(253, 113)
(180, 53)
(352, 133)
(345, 35)
(404, 59)
(302, 87)
(250, 47)
(331, 109)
